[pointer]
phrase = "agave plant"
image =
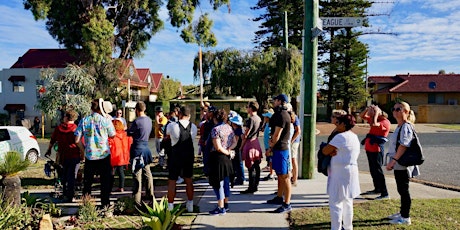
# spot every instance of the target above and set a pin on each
(159, 217)
(10, 166)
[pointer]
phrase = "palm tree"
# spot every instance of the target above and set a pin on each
(10, 183)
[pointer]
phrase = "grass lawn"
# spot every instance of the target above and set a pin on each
(425, 214)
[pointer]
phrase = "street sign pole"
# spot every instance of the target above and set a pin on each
(310, 54)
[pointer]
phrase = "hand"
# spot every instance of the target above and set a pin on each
(333, 153)
(48, 153)
(391, 164)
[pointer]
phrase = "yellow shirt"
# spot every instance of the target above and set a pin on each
(159, 127)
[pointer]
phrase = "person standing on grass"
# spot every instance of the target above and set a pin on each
(220, 165)
(182, 157)
(373, 144)
(279, 145)
(250, 147)
(343, 174)
(96, 129)
(140, 155)
(405, 131)
(69, 153)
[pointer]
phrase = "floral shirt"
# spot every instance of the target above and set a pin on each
(96, 131)
(224, 133)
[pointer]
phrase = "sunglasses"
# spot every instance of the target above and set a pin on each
(399, 109)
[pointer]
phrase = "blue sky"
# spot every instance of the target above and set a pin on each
(428, 38)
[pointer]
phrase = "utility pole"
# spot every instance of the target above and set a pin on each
(310, 66)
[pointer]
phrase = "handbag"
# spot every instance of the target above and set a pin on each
(323, 160)
(413, 154)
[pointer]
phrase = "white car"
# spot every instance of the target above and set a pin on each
(20, 139)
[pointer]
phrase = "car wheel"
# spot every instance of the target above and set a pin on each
(32, 156)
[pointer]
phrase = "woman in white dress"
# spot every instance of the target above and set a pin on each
(343, 176)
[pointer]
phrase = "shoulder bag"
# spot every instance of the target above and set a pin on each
(413, 154)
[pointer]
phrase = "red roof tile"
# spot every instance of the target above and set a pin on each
(156, 80)
(143, 73)
(45, 58)
(419, 83)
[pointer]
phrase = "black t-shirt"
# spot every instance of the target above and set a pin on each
(281, 119)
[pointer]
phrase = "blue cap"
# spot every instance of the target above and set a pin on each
(212, 109)
(282, 98)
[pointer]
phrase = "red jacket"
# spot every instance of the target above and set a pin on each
(120, 145)
(63, 135)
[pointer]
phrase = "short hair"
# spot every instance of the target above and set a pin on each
(118, 125)
(349, 121)
(185, 111)
(253, 105)
(95, 105)
(140, 106)
(71, 115)
(221, 115)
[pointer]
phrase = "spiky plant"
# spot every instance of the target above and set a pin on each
(12, 164)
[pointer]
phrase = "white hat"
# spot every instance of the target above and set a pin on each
(105, 107)
(237, 120)
(232, 114)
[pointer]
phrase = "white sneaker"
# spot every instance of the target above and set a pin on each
(180, 180)
(394, 216)
(170, 206)
(189, 205)
(401, 220)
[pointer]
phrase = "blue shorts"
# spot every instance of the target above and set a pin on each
(281, 161)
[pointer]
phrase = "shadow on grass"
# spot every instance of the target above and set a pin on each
(327, 225)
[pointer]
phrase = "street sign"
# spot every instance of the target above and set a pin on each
(342, 22)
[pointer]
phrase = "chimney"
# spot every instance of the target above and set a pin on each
(408, 74)
(21, 62)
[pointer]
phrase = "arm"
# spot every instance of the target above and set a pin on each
(276, 136)
(219, 148)
(400, 151)
(329, 150)
(243, 138)
(296, 133)
(364, 114)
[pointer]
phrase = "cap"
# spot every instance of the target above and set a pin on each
(282, 97)
(158, 109)
(269, 113)
(212, 109)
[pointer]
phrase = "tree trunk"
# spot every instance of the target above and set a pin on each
(11, 187)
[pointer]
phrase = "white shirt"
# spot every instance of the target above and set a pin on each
(173, 130)
(343, 179)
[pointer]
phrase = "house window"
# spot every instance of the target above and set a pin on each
(18, 86)
(435, 98)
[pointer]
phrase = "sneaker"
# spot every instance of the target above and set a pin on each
(394, 216)
(275, 200)
(217, 211)
(248, 191)
(371, 192)
(382, 197)
(226, 207)
(268, 178)
(283, 208)
(401, 220)
(180, 180)
(189, 205)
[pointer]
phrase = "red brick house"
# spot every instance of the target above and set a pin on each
(426, 93)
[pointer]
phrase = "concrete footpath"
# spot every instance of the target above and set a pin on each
(252, 211)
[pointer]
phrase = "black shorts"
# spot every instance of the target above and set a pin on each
(180, 165)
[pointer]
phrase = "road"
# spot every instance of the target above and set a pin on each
(442, 157)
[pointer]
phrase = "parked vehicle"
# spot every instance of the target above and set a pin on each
(20, 139)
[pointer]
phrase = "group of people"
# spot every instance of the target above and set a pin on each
(106, 146)
(344, 147)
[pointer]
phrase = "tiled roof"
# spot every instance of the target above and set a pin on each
(418, 83)
(45, 58)
(143, 73)
(156, 80)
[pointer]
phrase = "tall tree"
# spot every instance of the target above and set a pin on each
(169, 89)
(253, 74)
(272, 26)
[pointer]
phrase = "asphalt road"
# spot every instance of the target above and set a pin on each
(442, 158)
(441, 150)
